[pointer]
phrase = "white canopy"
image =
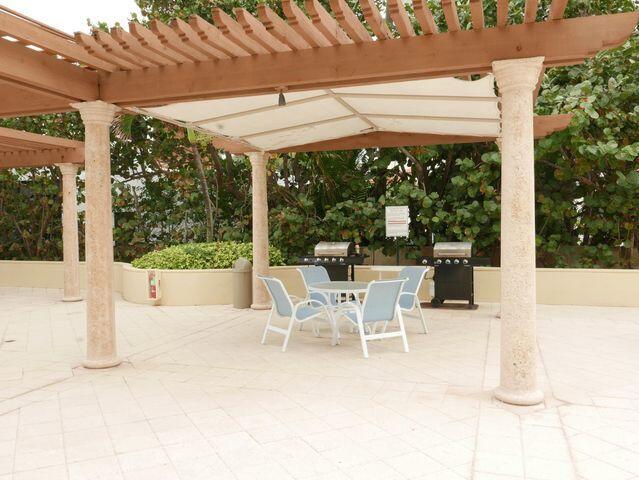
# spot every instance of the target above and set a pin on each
(444, 106)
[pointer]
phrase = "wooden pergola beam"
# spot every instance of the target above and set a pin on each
(32, 34)
(18, 100)
(41, 158)
(449, 54)
(44, 73)
(544, 126)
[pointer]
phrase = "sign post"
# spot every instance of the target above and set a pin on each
(397, 222)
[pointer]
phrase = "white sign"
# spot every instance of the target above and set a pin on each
(397, 221)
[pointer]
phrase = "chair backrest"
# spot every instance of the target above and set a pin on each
(414, 276)
(311, 275)
(381, 300)
(279, 295)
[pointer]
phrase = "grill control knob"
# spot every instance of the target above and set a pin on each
(424, 262)
(333, 259)
(448, 261)
(465, 262)
(438, 262)
(456, 261)
(341, 260)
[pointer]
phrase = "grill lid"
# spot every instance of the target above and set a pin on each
(335, 249)
(453, 249)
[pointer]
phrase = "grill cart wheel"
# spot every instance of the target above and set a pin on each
(436, 302)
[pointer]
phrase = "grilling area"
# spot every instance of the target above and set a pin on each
(261, 84)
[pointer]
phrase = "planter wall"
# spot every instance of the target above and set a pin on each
(596, 287)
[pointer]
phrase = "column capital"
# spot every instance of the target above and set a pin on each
(518, 73)
(258, 158)
(68, 168)
(96, 112)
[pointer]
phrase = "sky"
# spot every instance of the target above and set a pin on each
(71, 15)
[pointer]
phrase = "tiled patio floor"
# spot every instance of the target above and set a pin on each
(199, 398)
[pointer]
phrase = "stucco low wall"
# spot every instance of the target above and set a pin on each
(569, 286)
(39, 274)
(595, 287)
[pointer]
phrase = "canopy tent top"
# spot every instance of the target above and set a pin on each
(22, 149)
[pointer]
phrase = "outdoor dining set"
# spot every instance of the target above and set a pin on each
(330, 301)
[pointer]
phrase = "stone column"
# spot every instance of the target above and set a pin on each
(516, 80)
(101, 341)
(70, 243)
(260, 229)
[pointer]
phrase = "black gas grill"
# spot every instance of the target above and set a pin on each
(337, 257)
(454, 277)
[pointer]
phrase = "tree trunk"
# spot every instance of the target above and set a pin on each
(208, 207)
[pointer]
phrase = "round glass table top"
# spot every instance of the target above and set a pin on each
(339, 286)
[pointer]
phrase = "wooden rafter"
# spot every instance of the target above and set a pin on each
(280, 29)
(111, 46)
(349, 21)
(303, 25)
(326, 24)
(502, 13)
(375, 20)
(191, 38)
(450, 12)
(400, 18)
(235, 32)
(477, 14)
(210, 35)
(557, 9)
(173, 41)
(258, 32)
(425, 17)
(92, 46)
(32, 34)
(132, 44)
(530, 11)
(151, 42)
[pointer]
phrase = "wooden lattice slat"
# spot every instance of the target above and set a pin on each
(349, 21)
(375, 20)
(211, 35)
(148, 40)
(234, 31)
(400, 18)
(425, 17)
(326, 24)
(280, 29)
(450, 12)
(192, 39)
(94, 48)
(258, 32)
(477, 14)
(129, 42)
(303, 25)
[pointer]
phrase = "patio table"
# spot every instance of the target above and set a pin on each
(339, 288)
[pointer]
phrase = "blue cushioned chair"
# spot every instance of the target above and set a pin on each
(408, 300)
(381, 304)
(301, 312)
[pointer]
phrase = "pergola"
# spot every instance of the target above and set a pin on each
(316, 80)
(28, 150)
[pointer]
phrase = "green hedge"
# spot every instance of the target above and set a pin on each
(195, 256)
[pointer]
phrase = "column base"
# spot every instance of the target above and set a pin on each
(519, 397)
(72, 298)
(260, 306)
(102, 362)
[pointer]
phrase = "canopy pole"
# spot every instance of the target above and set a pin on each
(70, 243)
(100, 317)
(260, 229)
(516, 80)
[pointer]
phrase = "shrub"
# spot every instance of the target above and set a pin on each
(196, 256)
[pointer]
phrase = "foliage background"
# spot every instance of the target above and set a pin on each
(171, 188)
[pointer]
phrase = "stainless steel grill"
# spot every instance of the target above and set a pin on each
(334, 249)
(337, 257)
(453, 249)
(453, 262)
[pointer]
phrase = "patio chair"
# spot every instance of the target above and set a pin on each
(316, 274)
(381, 304)
(308, 309)
(408, 300)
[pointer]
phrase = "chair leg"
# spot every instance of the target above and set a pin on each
(362, 337)
(400, 320)
(421, 316)
(301, 327)
(288, 334)
(268, 323)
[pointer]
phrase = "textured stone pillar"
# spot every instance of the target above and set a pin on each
(516, 80)
(101, 341)
(70, 243)
(260, 229)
